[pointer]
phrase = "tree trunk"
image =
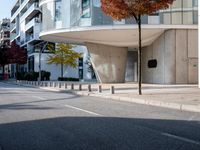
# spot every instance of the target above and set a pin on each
(3, 67)
(139, 57)
(16, 73)
(61, 65)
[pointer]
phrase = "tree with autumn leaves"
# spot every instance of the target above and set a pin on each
(122, 9)
(13, 54)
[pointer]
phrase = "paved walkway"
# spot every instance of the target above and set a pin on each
(182, 97)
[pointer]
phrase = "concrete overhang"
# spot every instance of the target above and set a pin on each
(118, 35)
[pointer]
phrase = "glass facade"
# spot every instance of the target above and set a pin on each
(181, 12)
(85, 9)
(73, 13)
(58, 13)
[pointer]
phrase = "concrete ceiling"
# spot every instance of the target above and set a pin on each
(121, 36)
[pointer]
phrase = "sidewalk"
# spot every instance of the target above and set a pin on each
(181, 97)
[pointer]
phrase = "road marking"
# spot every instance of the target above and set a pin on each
(89, 112)
(181, 138)
(38, 97)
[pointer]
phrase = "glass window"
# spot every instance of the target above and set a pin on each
(195, 17)
(187, 4)
(166, 18)
(85, 8)
(58, 10)
(187, 17)
(177, 4)
(195, 3)
(176, 18)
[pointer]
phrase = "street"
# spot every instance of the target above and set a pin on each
(35, 119)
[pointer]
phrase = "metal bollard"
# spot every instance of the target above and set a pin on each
(89, 88)
(112, 90)
(72, 86)
(65, 85)
(80, 87)
(54, 84)
(99, 89)
(60, 85)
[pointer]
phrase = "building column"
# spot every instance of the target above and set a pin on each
(109, 62)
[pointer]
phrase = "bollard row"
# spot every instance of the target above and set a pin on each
(63, 85)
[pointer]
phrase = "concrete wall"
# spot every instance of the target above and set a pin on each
(109, 62)
(176, 54)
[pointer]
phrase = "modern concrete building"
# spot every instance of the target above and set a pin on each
(169, 38)
(5, 40)
(5, 32)
(26, 18)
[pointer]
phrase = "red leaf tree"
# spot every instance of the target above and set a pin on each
(122, 9)
(18, 55)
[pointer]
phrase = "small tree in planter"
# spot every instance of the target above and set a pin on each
(62, 55)
(122, 9)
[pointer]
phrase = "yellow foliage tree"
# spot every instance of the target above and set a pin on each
(62, 55)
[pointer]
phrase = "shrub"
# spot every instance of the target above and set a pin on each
(33, 76)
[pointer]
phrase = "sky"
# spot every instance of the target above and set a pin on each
(5, 8)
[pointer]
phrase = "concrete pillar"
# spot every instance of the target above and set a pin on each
(109, 62)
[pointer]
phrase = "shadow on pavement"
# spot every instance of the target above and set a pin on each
(100, 133)
(26, 104)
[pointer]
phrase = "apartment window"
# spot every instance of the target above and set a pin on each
(195, 17)
(188, 17)
(195, 3)
(85, 8)
(58, 6)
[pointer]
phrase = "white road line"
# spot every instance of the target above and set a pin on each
(38, 97)
(89, 112)
(181, 138)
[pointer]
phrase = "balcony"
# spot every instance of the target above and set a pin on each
(3, 38)
(32, 23)
(14, 36)
(12, 27)
(31, 11)
(15, 13)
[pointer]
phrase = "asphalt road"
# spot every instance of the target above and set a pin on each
(34, 119)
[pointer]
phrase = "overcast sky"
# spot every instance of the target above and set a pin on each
(5, 8)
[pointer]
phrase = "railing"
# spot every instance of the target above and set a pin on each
(32, 22)
(30, 9)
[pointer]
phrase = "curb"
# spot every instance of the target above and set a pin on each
(176, 106)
